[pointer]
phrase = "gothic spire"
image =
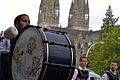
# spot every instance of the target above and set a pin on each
(77, 15)
(48, 13)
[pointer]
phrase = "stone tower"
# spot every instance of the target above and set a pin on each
(79, 15)
(48, 13)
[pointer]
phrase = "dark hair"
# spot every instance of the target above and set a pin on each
(81, 58)
(114, 62)
(18, 18)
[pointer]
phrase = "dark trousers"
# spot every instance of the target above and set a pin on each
(5, 66)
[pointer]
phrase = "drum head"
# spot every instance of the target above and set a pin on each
(27, 56)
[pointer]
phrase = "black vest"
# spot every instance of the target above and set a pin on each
(82, 74)
(112, 76)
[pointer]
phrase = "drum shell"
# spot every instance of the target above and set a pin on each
(60, 57)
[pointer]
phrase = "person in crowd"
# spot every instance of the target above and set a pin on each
(112, 74)
(81, 73)
(4, 49)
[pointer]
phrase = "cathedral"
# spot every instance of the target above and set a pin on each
(78, 22)
(78, 15)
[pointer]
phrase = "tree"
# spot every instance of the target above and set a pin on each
(102, 54)
(109, 21)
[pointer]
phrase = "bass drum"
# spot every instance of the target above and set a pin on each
(42, 54)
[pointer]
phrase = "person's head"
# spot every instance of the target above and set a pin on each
(113, 65)
(83, 62)
(21, 21)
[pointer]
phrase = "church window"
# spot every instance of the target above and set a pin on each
(40, 11)
(71, 16)
(57, 12)
(86, 16)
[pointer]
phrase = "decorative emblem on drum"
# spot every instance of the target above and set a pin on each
(16, 54)
(31, 45)
(35, 66)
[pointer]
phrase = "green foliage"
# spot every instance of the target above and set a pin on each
(109, 21)
(100, 57)
(102, 54)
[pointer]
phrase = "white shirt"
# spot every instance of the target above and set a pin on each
(76, 73)
(105, 77)
(5, 45)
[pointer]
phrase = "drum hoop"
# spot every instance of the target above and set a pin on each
(45, 37)
(71, 54)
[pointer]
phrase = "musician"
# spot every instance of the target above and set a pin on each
(19, 22)
(81, 72)
(112, 74)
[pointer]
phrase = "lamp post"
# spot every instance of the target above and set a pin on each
(92, 46)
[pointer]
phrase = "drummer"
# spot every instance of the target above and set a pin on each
(20, 22)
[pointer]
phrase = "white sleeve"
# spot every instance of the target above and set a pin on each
(75, 74)
(5, 45)
(89, 76)
(8, 45)
(105, 77)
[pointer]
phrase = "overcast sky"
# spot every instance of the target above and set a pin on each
(9, 9)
